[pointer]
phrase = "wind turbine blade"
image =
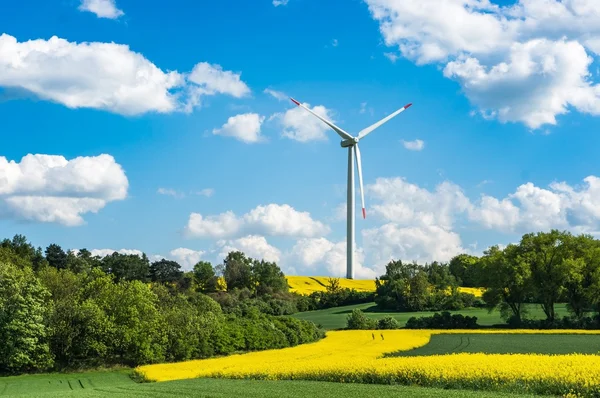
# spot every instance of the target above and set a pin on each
(338, 130)
(372, 127)
(360, 180)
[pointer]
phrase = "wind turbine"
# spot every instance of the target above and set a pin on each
(350, 142)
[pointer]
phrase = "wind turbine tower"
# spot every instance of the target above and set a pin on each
(350, 142)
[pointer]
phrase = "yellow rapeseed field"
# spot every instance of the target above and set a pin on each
(356, 356)
(309, 284)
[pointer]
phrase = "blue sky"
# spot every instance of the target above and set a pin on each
(505, 106)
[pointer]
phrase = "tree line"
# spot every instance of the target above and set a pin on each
(73, 310)
(544, 268)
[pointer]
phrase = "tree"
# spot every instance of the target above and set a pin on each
(333, 285)
(205, 277)
(358, 320)
(545, 253)
(127, 266)
(76, 263)
(268, 278)
(56, 256)
(165, 271)
(466, 269)
(507, 278)
(237, 271)
(23, 309)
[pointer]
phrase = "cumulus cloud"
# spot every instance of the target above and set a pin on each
(187, 258)
(49, 188)
(531, 208)
(102, 8)
(108, 76)
(271, 220)
(300, 125)
(276, 94)
(253, 246)
(244, 127)
(416, 145)
(525, 62)
(318, 253)
(278, 3)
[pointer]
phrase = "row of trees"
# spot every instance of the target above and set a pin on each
(78, 310)
(414, 287)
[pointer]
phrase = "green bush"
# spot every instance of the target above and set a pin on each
(388, 323)
(358, 320)
(445, 320)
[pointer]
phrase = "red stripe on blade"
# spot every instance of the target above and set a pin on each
(364, 213)
(295, 102)
(408, 106)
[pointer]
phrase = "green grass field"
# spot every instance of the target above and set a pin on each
(119, 384)
(335, 318)
(441, 344)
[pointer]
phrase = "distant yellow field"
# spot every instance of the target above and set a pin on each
(309, 284)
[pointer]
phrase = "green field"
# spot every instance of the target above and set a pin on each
(335, 318)
(441, 344)
(118, 384)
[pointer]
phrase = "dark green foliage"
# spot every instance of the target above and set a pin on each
(466, 269)
(205, 278)
(128, 267)
(411, 287)
(23, 309)
(268, 278)
(56, 256)
(388, 323)
(358, 320)
(237, 271)
(165, 271)
(119, 310)
(445, 320)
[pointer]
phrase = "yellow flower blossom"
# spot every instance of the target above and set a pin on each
(357, 356)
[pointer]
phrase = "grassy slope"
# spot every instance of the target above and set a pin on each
(507, 344)
(118, 384)
(335, 318)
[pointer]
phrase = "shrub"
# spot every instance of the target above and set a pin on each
(445, 320)
(358, 320)
(388, 323)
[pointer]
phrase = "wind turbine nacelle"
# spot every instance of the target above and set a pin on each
(348, 142)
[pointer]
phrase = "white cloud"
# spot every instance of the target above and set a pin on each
(314, 254)
(416, 145)
(212, 79)
(219, 226)
(276, 94)
(421, 244)
(244, 127)
(187, 258)
(527, 62)
(108, 252)
(334, 42)
(253, 246)
(107, 76)
(48, 188)
(277, 3)
(170, 192)
(271, 220)
(207, 192)
(300, 125)
(102, 8)
(408, 204)
(391, 56)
